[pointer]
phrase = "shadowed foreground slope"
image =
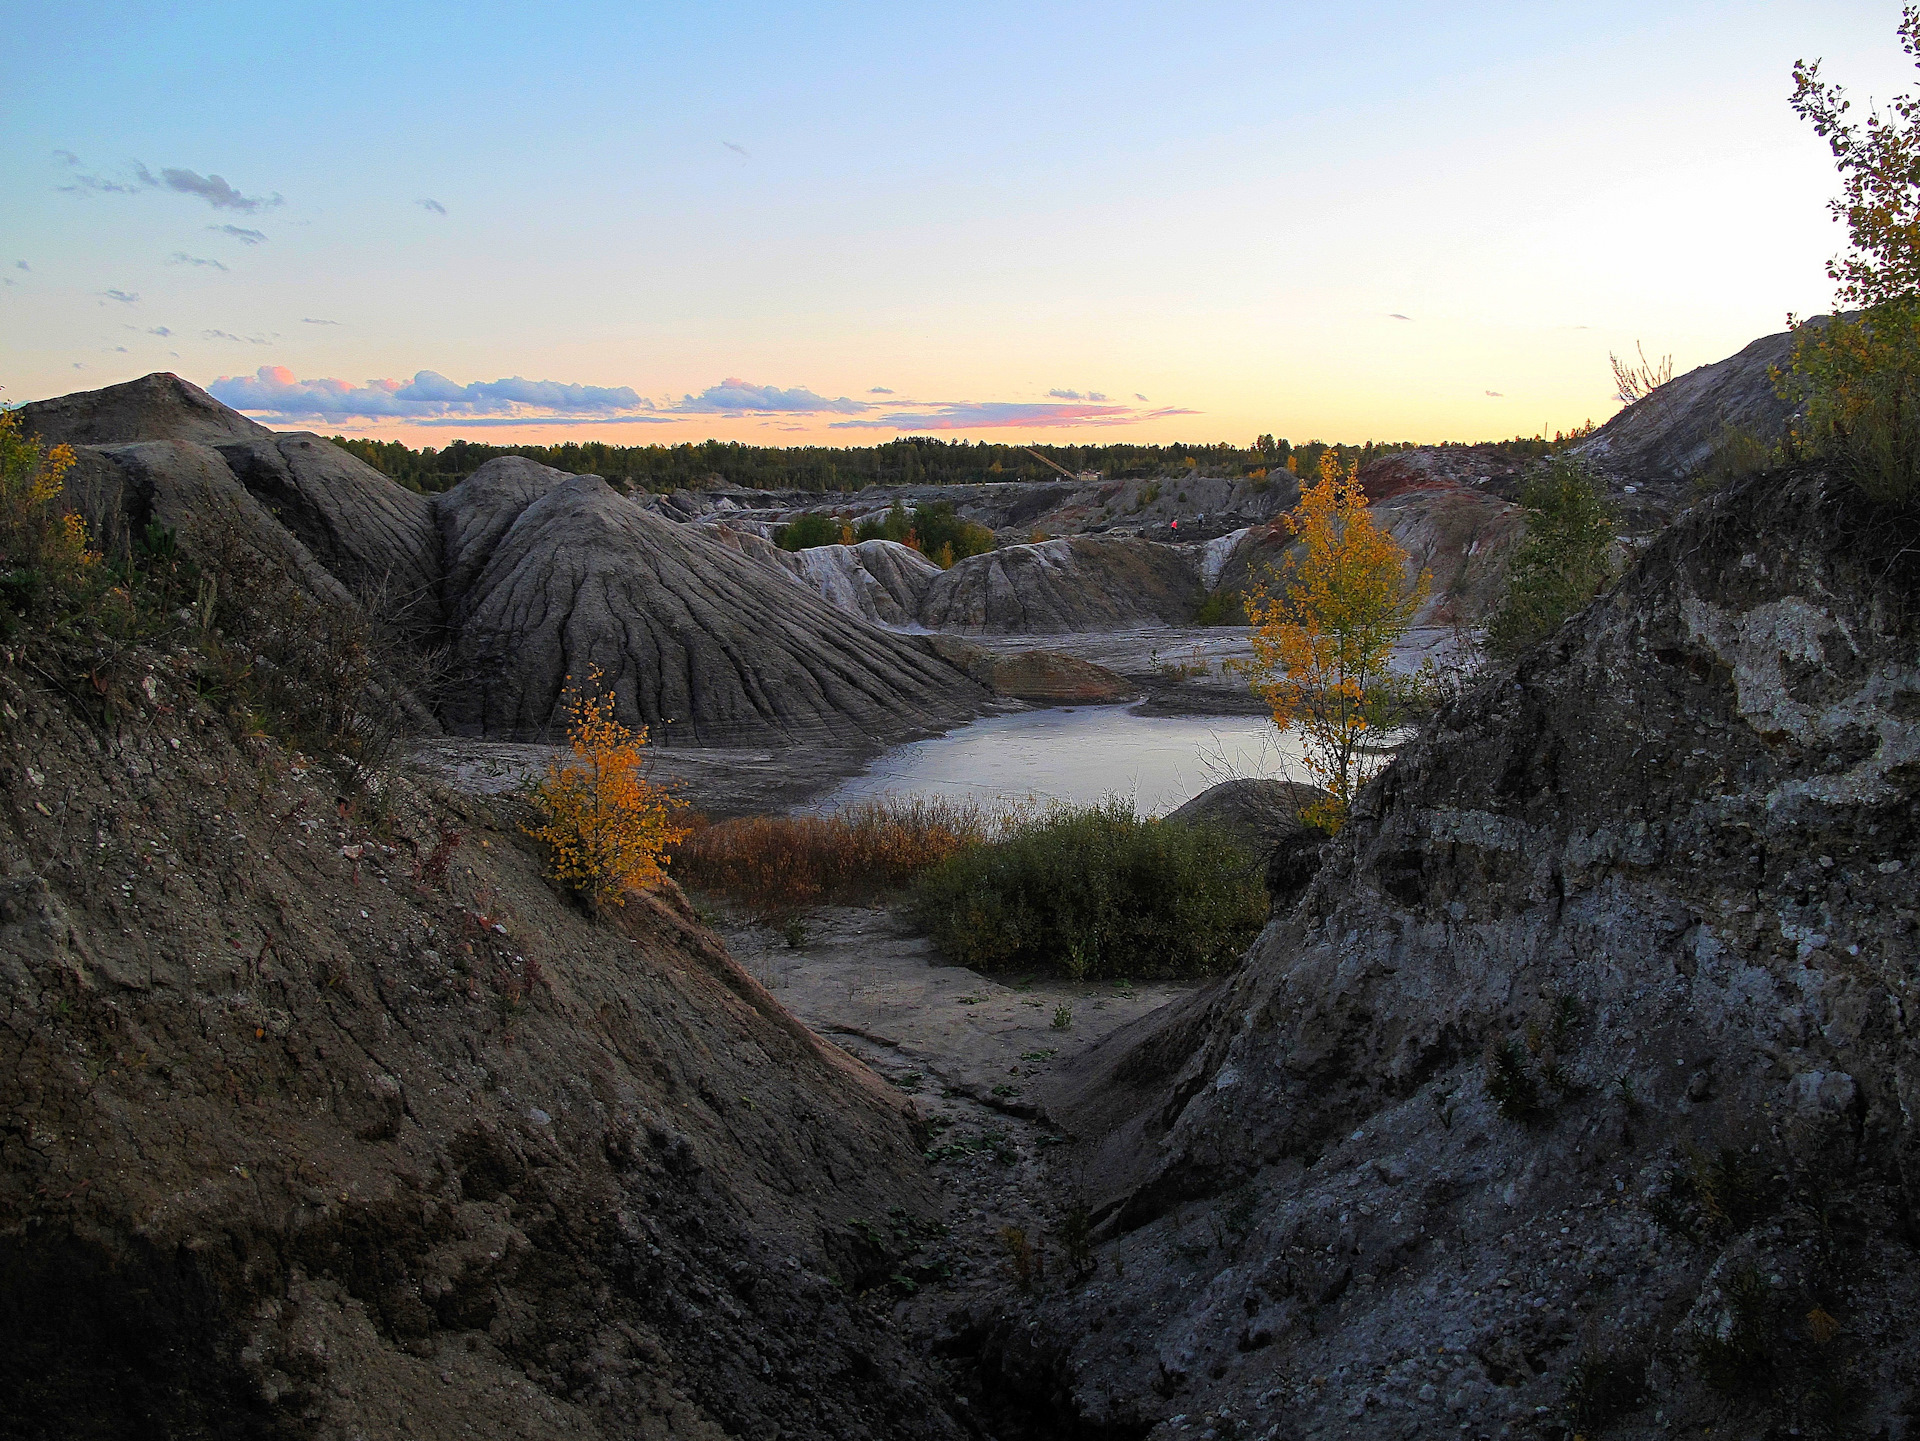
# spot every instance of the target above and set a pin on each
(331, 1119)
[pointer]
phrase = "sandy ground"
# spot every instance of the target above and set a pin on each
(867, 981)
(967, 1047)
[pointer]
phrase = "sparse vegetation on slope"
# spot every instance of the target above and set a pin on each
(1561, 564)
(1861, 374)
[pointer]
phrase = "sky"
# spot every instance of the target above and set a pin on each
(838, 223)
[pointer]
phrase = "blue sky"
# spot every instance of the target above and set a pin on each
(838, 223)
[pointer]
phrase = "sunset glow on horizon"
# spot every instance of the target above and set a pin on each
(831, 227)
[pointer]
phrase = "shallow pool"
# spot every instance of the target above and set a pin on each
(1078, 755)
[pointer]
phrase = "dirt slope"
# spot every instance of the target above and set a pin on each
(316, 1122)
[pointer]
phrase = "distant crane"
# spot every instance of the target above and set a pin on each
(1044, 461)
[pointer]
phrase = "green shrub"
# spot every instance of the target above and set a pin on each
(804, 532)
(1221, 607)
(934, 530)
(1093, 892)
(1737, 455)
(1561, 564)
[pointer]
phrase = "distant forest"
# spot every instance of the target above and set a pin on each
(919, 460)
(916, 460)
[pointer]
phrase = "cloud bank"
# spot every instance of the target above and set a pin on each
(734, 396)
(1007, 415)
(274, 390)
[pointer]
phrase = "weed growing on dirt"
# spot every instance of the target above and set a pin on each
(783, 864)
(1026, 1259)
(1603, 1388)
(1062, 1017)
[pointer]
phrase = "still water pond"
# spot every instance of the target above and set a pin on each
(1079, 755)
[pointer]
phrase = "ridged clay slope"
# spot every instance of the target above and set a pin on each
(1591, 1044)
(1079, 583)
(698, 641)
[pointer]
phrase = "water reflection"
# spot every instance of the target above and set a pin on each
(1079, 755)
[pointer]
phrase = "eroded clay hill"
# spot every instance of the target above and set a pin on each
(329, 1118)
(523, 575)
(1579, 1090)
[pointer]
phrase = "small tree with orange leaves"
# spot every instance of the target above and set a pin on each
(1324, 631)
(607, 827)
(44, 553)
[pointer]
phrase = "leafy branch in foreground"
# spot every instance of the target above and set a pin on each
(1860, 375)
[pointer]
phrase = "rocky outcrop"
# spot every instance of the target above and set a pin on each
(1579, 1089)
(325, 1125)
(696, 641)
(1077, 584)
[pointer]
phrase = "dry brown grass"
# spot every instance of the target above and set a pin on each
(782, 864)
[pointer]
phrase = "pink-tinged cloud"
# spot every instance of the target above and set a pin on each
(274, 390)
(1009, 415)
(734, 396)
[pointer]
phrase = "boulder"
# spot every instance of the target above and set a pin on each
(696, 641)
(1080, 583)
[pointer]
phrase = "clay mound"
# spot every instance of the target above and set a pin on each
(698, 642)
(155, 407)
(189, 489)
(1668, 437)
(474, 516)
(1079, 584)
(1645, 897)
(1462, 539)
(877, 580)
(377, 536)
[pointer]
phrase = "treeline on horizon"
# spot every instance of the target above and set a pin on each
(914, 460)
